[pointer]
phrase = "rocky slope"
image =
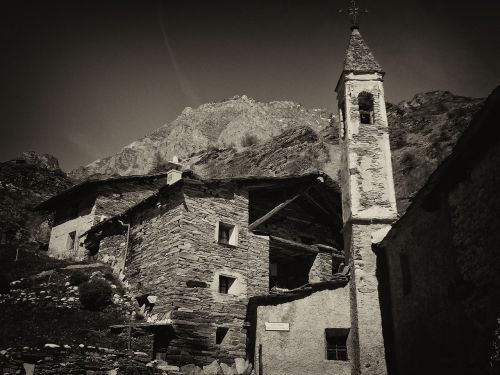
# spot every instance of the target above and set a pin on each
(240, 136)
(25, 182)
(423, 132)
(235, 122)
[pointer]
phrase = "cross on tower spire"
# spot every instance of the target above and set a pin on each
(354, 11)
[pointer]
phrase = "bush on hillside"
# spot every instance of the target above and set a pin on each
(115, 280)
(408, 162)
(78, 277)
(249, 140)
(95, 294)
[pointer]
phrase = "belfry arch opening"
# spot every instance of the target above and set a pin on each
(343, 128)
(365, 104)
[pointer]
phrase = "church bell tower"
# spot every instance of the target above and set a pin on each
(368, 198)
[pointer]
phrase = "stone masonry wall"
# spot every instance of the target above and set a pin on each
(201, 261)
(152, 260)
(366, 158)
(476, 238)
(301, 350)
(80, 360)
(58, 244)
(449, 314)
(321, 269)
(112, 251)
(366, 332)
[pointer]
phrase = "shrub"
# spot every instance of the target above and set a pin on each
(398, 140)
(249, 140)
(78, 277)
(408, 162)
(113, 279)
(95, 294)
(110, 276)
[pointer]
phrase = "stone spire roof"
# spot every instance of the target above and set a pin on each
(359, 58)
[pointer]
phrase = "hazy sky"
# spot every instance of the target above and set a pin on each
(81, 79)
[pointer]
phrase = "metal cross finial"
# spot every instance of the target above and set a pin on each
(353, 12)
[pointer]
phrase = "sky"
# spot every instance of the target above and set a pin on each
(82, 79)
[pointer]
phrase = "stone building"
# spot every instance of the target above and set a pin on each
(204, 248)
(440, 262)
(77, 209)
(303, 331)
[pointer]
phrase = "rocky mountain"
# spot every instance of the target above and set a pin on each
(24, 182)
(241, 136)
(235, 122)
(423, 132)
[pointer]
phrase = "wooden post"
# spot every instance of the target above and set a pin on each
(261, 372)
(129, 334)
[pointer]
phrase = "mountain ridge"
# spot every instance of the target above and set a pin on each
(242, 135)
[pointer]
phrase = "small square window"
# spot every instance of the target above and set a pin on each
(336, 344)
(220, 335)
(227, 234)
(225, 284)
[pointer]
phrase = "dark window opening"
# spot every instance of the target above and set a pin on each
(405, 272)
(162, 337)
(343, 121)
(71, 241)
(227, 234)
(365, 105)
(289, 272)
(220, 335)
(336, 344)
(225, 284)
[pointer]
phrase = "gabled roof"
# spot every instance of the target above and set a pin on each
(359, 58)
(249, 182)
(90, 185)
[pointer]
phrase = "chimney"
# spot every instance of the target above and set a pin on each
(173, 176)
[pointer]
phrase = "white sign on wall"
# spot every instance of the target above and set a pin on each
(277, 326)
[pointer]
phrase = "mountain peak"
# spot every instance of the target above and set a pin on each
(46, 161)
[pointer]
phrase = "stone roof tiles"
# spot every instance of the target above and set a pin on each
(359, 58)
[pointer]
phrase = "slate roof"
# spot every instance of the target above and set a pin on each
(359, 58)
(77, 190)
(191, 178)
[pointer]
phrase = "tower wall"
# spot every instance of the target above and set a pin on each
(366, 320)
(368, 191)
(369, 205)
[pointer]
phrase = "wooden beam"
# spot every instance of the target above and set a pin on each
(276, 209)
(299, 245)
(316, 204)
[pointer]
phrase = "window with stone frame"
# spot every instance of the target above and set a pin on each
(226, 234)
(336, 344)
(365, 106)
(225, 284)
